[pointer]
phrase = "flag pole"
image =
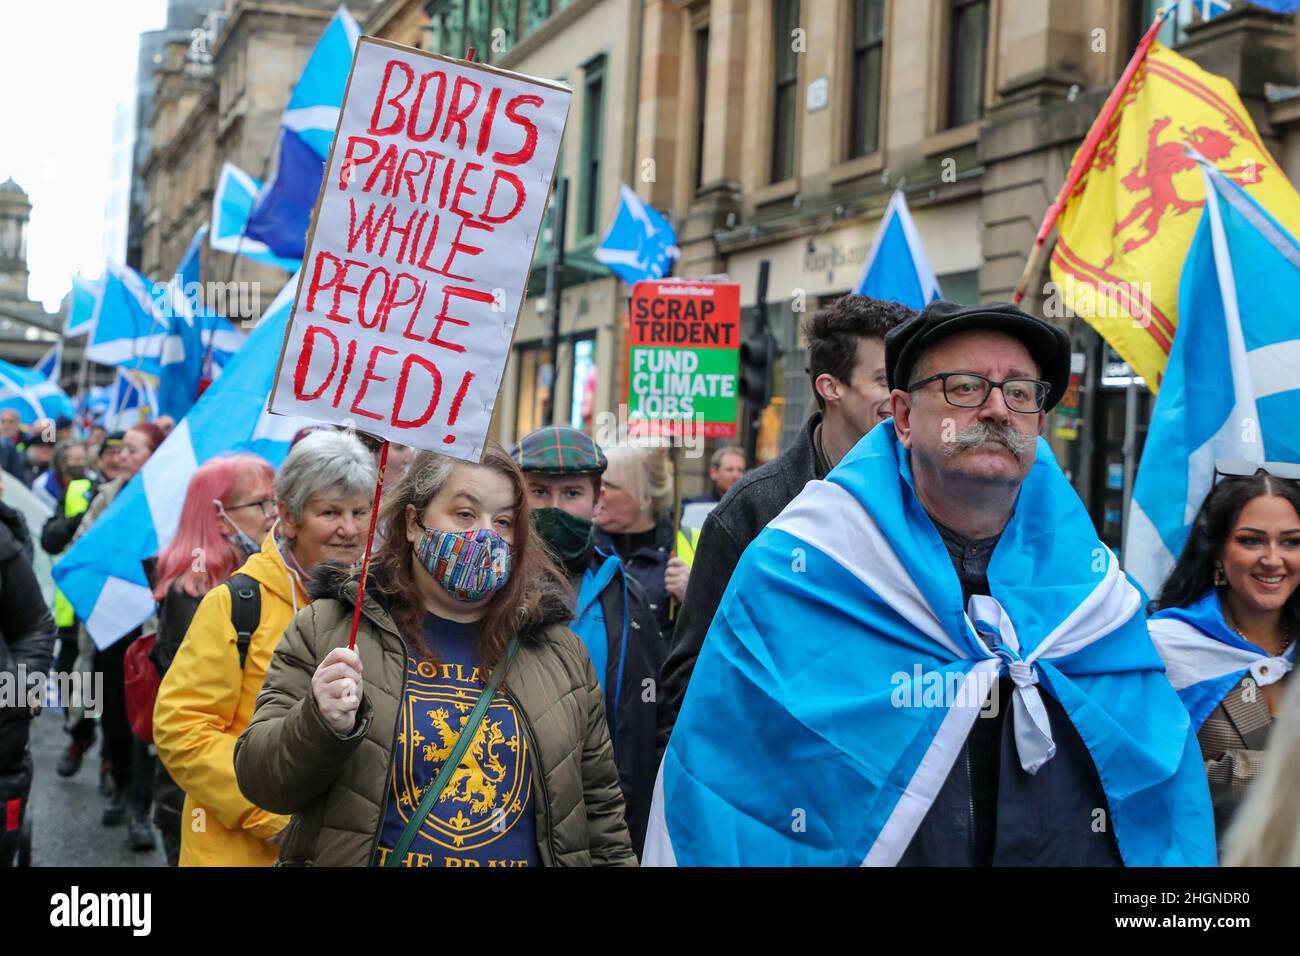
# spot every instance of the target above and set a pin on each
(374, 516)
(370, 540)
(1088, 151)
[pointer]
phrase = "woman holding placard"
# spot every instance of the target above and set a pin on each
(467, 728)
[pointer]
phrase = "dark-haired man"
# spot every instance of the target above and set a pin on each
(846, 362)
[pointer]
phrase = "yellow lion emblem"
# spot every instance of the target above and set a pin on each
(475, 781)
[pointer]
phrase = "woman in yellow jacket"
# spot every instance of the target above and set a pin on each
(205, 700)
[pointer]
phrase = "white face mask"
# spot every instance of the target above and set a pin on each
(239, 539)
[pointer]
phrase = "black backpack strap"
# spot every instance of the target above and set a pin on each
(245, 611)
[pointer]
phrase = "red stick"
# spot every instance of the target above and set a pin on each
(370, 540)
(1088, 151)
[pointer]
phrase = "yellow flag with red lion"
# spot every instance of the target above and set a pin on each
(1126, 226)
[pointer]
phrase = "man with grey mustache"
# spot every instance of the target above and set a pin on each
(970, 390)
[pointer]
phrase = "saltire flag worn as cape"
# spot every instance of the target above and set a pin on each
(799, 742)
(1206, 659)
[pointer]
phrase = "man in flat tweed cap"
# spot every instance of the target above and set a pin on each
(562, 468)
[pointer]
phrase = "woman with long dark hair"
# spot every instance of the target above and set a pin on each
(1225, 624)
(467, 728)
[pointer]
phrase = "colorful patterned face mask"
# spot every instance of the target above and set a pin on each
(470, 565)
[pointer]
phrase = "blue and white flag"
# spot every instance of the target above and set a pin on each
(815, 687)
(82, 305)
(51, 363)
(640, 243)
(282, 214)
(132, 399)
(232, 204)
(199, 342)
(1210, 9)
(129, 327)
(31, 394)
(1278, 6)
(1232, 384)
(897, 268)
(1205, 658)
(101, 574)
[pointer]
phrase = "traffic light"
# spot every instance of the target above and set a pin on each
(757, 357)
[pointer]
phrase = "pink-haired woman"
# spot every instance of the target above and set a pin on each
(229, 508)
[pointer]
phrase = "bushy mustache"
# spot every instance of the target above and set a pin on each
(973, 436)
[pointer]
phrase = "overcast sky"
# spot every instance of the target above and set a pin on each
(64, 67)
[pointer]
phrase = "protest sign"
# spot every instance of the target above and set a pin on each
(419, 248)
(683, 358)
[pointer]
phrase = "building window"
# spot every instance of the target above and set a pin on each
(533, 392)
(701, 98)
(586, 379)
(536, 12)
(967, 60)
(505, 17)
(456, 25)
(593, 109)
(868, 60)
(785, 19)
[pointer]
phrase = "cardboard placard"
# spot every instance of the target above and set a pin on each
(683, 358)
(419, 249)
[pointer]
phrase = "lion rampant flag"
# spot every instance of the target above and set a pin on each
(1128, 221)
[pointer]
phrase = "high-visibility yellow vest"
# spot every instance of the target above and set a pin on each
(687, 541)
(75, 502)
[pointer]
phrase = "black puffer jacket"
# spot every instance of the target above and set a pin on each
(26, 647)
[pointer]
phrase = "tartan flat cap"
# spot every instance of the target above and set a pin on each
(559, 450)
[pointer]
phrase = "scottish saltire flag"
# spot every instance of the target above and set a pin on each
(51, 363)
(93, 403)
(129, 328)
(640, 243)
(1232, 385)
(898, 269)
(232, 204)
(814, 690)
(132, 399)
(82, 305)
(282, 213)
(1209, 9)
(1278, 6)
(199, 342)
(1205, 658)
(101, 574)
(31, 394)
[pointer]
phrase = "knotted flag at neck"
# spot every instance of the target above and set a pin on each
(1205, 658)
(810, 734)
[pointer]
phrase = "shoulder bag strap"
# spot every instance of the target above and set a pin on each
(467, 734)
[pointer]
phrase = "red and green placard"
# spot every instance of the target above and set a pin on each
(683, 358)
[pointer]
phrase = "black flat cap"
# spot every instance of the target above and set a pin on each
(1048, 344)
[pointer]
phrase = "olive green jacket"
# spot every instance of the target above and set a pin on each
(290, 761)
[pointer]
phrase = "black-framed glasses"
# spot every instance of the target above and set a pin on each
(266, 504)
(1241, 468)
(969, 390)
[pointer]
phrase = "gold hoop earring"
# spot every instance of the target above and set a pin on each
(1220, 576)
